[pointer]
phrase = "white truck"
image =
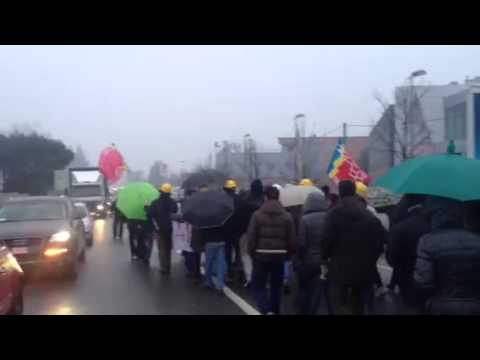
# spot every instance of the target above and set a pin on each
(86, 185)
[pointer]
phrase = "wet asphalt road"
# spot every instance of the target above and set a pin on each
(110, 283)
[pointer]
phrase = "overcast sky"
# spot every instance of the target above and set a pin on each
(172, 102)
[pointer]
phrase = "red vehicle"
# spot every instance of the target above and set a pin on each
(11, 283)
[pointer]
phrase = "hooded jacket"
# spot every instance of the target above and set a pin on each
(271, 233)
(312, 226)
(353, 241)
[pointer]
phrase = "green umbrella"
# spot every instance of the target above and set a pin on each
(448, 175)
(132, 199)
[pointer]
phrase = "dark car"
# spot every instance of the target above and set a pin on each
(44, 232)
(11, 283)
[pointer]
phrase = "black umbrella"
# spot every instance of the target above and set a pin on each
(208, 209)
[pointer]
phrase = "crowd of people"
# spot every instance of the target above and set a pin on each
(330, 245)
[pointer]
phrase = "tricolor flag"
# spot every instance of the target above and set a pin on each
(343, 166)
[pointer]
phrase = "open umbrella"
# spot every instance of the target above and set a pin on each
(132, 199)
(208, 209)
(449, 175)
(294, 195)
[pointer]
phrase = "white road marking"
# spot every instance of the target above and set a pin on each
(236, 299)
(386, 268)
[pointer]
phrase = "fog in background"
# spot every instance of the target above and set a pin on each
(171, 103)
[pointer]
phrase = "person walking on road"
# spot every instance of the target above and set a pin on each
(447, 270)
(233, 231)
(253, 202)
(402, 252)
(118, 221)
(352, 242)
(404, 209)
(271, 242)
(215, 262)
(362, 192)
(309, 260)
(160, 213)
(136, 236)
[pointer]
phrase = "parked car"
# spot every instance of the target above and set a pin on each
(88, 222)
(11, 283)
(44, 232)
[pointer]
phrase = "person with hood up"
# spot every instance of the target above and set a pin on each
(160, 214)
(352, 242)
(309, 259)
(253, 202)
(271, 242)
(447, 271)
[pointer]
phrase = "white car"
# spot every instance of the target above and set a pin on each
(88, 222)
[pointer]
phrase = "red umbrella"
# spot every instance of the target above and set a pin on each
(111, 164)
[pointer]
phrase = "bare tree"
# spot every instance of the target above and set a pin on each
(405, 130)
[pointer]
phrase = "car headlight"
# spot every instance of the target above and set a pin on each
(14, 262)
(100, 207)
(61, 236)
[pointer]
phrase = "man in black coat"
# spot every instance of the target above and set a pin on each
(253, 201)
(447, 270)
(160, 214)
(233, 230)
(406, 208)
(352, 242)
(402, 251)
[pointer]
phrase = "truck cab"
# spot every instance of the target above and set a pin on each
(88, 186)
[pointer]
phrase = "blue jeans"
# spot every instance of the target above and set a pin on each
(215, 259)
(272, 272)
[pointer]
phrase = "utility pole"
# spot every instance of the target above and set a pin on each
(344, 130)
(299, 148)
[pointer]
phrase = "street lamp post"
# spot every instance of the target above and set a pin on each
(411, 99)
(299, 133)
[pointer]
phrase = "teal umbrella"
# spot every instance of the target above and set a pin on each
(448, 175)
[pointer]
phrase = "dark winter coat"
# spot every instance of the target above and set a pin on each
(252, 203)
(271, 233)
(353, 241)
(448, 271)
(402, 251)
(160, 212)
(212, 235)
(312, 226)
(234, 228)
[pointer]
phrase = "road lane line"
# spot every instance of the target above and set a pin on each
(242, 304)
(236, 299)
(383, 267)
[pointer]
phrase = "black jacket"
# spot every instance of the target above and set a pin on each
(312, 226)
(234, 227)
(160, 212)
(447, 271)
(402, 251)
(353, 241)
(252, 203)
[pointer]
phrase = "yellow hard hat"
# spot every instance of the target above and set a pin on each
(230, 184)
(166, 188)
(362, 189)
(306, 182)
